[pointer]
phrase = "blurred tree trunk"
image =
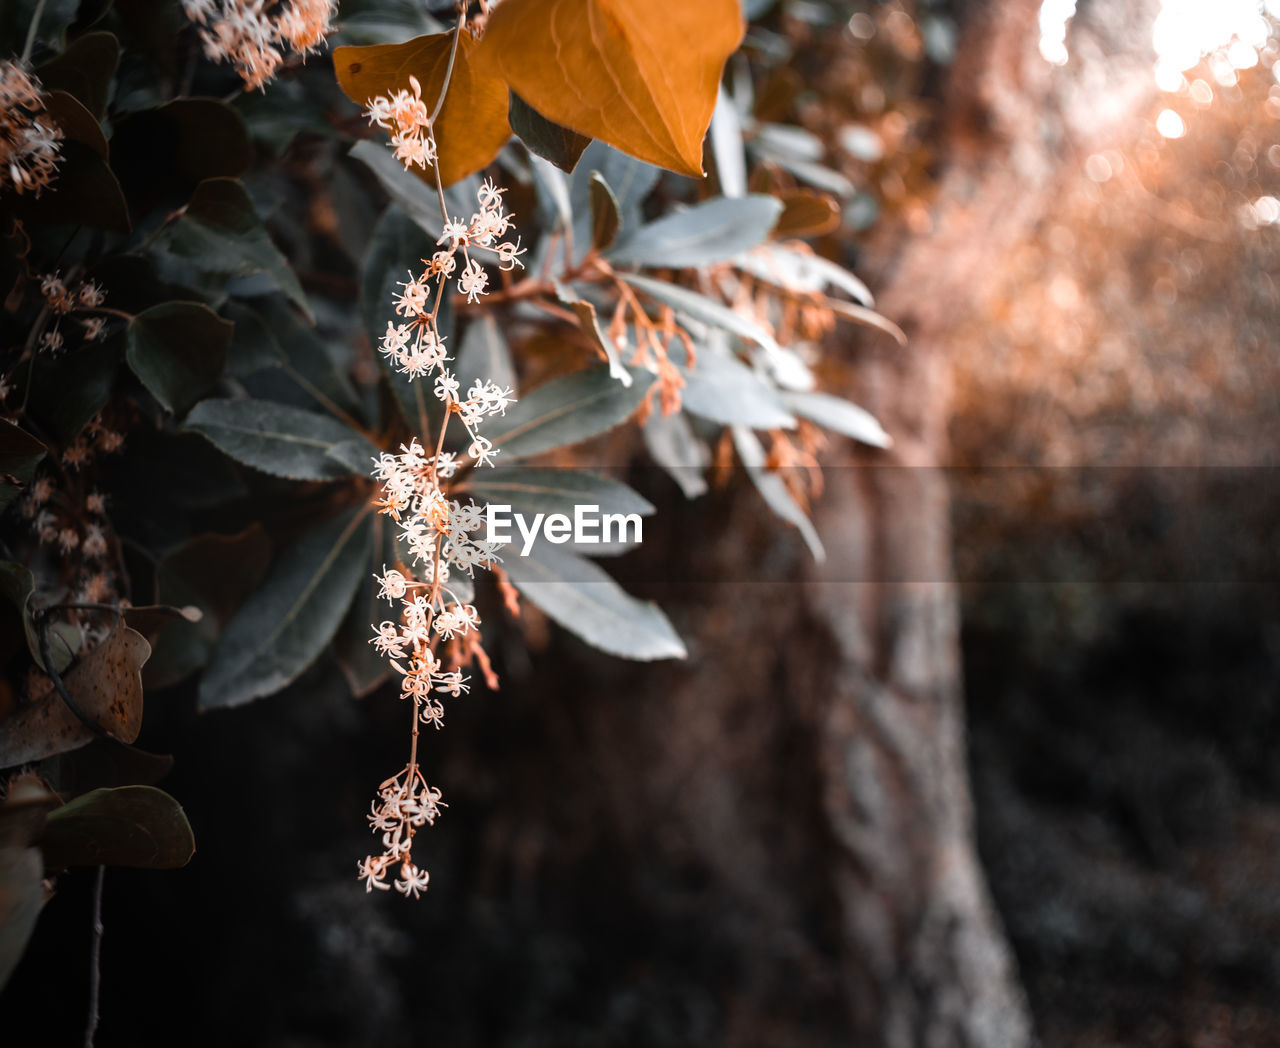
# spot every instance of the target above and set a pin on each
(927, 963)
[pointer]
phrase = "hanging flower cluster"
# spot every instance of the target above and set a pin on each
(254, 34)
(61, 301)
(30, 142)
(436, 632)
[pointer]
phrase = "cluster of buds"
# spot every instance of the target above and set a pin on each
(244, 33)
(29, 141)
(62, 300)
(77, 527)
(438, 532)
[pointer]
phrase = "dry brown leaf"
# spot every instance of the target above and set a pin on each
(640, 76)
(107, 686)
(806, 213)
(471, 127)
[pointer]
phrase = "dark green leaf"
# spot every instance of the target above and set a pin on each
(583, 599)
(178, 350)
(76, 122)
(221, 235)
(215, 573)
(84, 70)
(253, 347)
(274, 438)
(314, 370)
(286, 624)
(361, 664)
(162, 154)
(713, 231)
(20, 453)
(840, 415)
(567, 410)
(128, 826)
(410, 194)
(549, 140)
(84, 192)
(484, 355)
(21, 897)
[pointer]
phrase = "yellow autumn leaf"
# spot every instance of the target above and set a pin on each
(471, 127)
(637, 74)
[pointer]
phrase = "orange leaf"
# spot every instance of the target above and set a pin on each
(638, 75)
(471, 127)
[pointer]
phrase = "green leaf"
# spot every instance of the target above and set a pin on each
(66, 393)
(712, 231)
(535, 490)
(840, 415)
(221, 235)
(606, 215)
(484, 355)
(163, 154)
(286, 624)
(360, 663)
(590, 325)
(774, 491)
(801, 271)
(21, 898)
(549, 140)
(253, 347)
(410, 194)
(567, 410)
(314, 370)
(723, 389)
(673, 445)
(274, 438)
(17, 585)
(84, 191)
(583, 599)
(76, 122)
(137, 826)
(702, 309)
(178, 350)
(20, 453)
(84, 70)
(215, 573)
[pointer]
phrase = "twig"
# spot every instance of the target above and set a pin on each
(95, 955)
(31, 32)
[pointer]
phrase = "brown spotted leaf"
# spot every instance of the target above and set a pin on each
(107, 687)
(471, 127)
(641, 78)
